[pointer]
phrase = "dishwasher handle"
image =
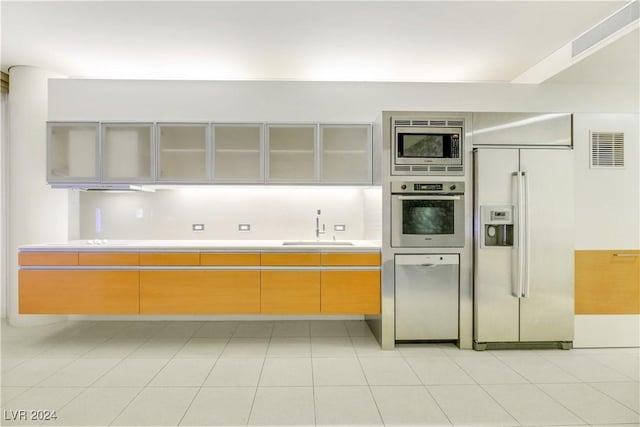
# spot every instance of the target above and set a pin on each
(430, 260)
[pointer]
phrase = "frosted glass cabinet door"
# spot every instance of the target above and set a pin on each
(238, 153)
(346, 153)
(127, 152)
(72, 152)
(183, 152)
(292, 153)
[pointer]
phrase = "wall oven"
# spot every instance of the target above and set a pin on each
(427, 147)
(427, 214)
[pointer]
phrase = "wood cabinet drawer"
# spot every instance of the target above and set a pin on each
(231, 259)
(48, 258)
(108, 258)
(290, 259)
(351, 259)
(606, 283)
(350, 292)
(199, 292)
(169, 258)
(78, 292)
(290, 292)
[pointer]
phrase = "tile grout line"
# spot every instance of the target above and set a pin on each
(373, 398)
(255, 394)
(195, 396)
(427, 389)
(559, 402)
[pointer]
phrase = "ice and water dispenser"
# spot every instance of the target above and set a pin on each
(496, 224)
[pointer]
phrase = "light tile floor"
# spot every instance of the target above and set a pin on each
(329, 373)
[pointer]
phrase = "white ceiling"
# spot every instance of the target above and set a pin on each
(417, 41)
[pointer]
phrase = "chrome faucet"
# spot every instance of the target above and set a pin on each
(318, 231)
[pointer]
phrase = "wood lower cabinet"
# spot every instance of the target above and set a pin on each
(284, 259)
(199, 283)
(78, 292)
(199, 292)
(290, 292)
(350, 292)
(229, 259)
(169, 258)
(351, 259)
(108, 258)
(48, 258)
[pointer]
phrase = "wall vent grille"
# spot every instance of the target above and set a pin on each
(420, 122)
(403, 122)
(454, 123)
(607, 150)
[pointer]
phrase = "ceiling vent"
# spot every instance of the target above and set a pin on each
(604, 29)
(607, 150)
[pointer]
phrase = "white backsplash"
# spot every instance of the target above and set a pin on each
(287, 213)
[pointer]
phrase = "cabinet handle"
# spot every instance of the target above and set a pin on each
(627, 255)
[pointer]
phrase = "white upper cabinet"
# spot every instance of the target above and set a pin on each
(345, 154)
(72, 152)
(292, 153)
(127, 152)
(238, 153)
(183, 152)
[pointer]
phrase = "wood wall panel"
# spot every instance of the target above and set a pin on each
(199, 292)
(351, 259)
(78, 292)
(48, 258)
(606, 283)
(350, 292)
(290, 292)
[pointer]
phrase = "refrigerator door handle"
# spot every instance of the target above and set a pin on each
(527, 239)
(517, 254)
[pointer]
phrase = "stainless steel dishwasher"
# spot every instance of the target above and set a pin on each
(427, 297)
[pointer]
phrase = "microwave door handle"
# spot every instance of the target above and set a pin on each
(428, 197)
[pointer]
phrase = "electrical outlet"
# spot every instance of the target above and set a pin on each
(197, 227)
(339, 227)
(244, 227)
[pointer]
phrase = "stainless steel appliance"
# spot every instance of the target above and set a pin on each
(427, 147)
(427, 214)
(426, 296)
(523, 241)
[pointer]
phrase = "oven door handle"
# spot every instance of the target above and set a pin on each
(429, 197)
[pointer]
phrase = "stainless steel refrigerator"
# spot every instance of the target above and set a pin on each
(523, 230)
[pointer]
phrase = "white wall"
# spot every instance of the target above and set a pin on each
(607, 200)
(131, 100)
(287, 213)
(36, 213)
(4, 117)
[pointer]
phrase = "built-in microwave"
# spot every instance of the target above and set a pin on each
(425, 150)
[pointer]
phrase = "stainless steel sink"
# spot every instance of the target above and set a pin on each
(317, 243)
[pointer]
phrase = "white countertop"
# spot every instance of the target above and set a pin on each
(206, 245)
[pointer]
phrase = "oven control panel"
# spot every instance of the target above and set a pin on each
(427, 187)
